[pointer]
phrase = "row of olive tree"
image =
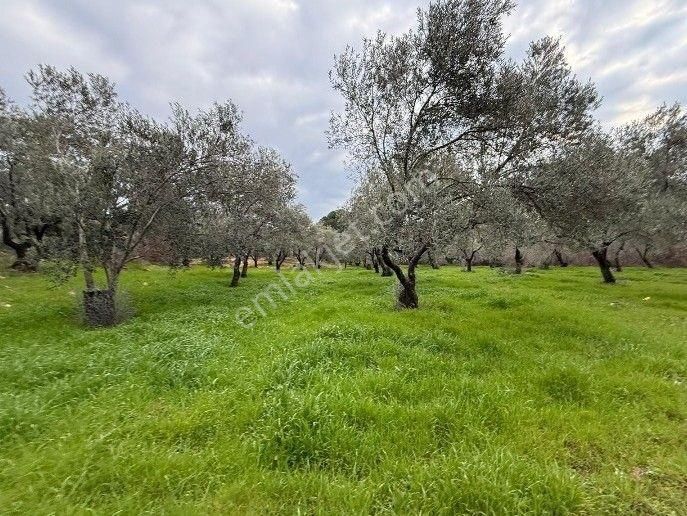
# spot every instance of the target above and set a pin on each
(460, 149)
(85, 179)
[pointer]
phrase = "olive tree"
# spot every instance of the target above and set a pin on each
(287, 235)
(446, 87)
(123, 171)
(246, 198)
(661, 141)
(589, 195)
(32, 204)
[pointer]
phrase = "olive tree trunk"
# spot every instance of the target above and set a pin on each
(99, 307)
(375, 262)
(407, 294)
(244, 269)
(237, 271)
(281, 256)
(469, 257)
(300, 257)
(386, 271)
(644, 256)
(22, 262)
(601, 257)
(616, 258)
(559, 258)
(518, 260)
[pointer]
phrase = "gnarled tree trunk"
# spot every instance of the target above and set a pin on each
(601, 257)
(244, 269)
(255, 261)
(386, 271)
(281, 256)
(318, 258)
(22, 262)
(559, 258)
(20, 248)
(300, 256)
(518, 260)
(644, 256)
(469, 259)
(616, 258)
(375, 263)
(407, 295)
(237, 271)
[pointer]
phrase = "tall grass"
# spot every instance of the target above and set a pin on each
(545, 393)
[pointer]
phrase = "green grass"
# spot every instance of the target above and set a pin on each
(542, 393)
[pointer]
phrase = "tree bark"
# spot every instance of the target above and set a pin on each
(99, 307)
(20, 248)
(375, 263)
(469, 259)
(255, 261)
(85, 260)
(468, 264)
(281, 256)
(559, 258)
(237, 271)
(518, 261)
(386, 271)
(616, 258)
(644, 256)
(407, 295)
(301, 259)
(604, 265)
(22, 262)
(244, 269)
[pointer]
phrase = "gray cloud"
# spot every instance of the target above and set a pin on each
(272, 57)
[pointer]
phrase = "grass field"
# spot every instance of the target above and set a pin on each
(542, 393)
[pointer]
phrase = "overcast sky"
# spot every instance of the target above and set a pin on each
(272, 58)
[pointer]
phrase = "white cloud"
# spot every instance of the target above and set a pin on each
(272, 57)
